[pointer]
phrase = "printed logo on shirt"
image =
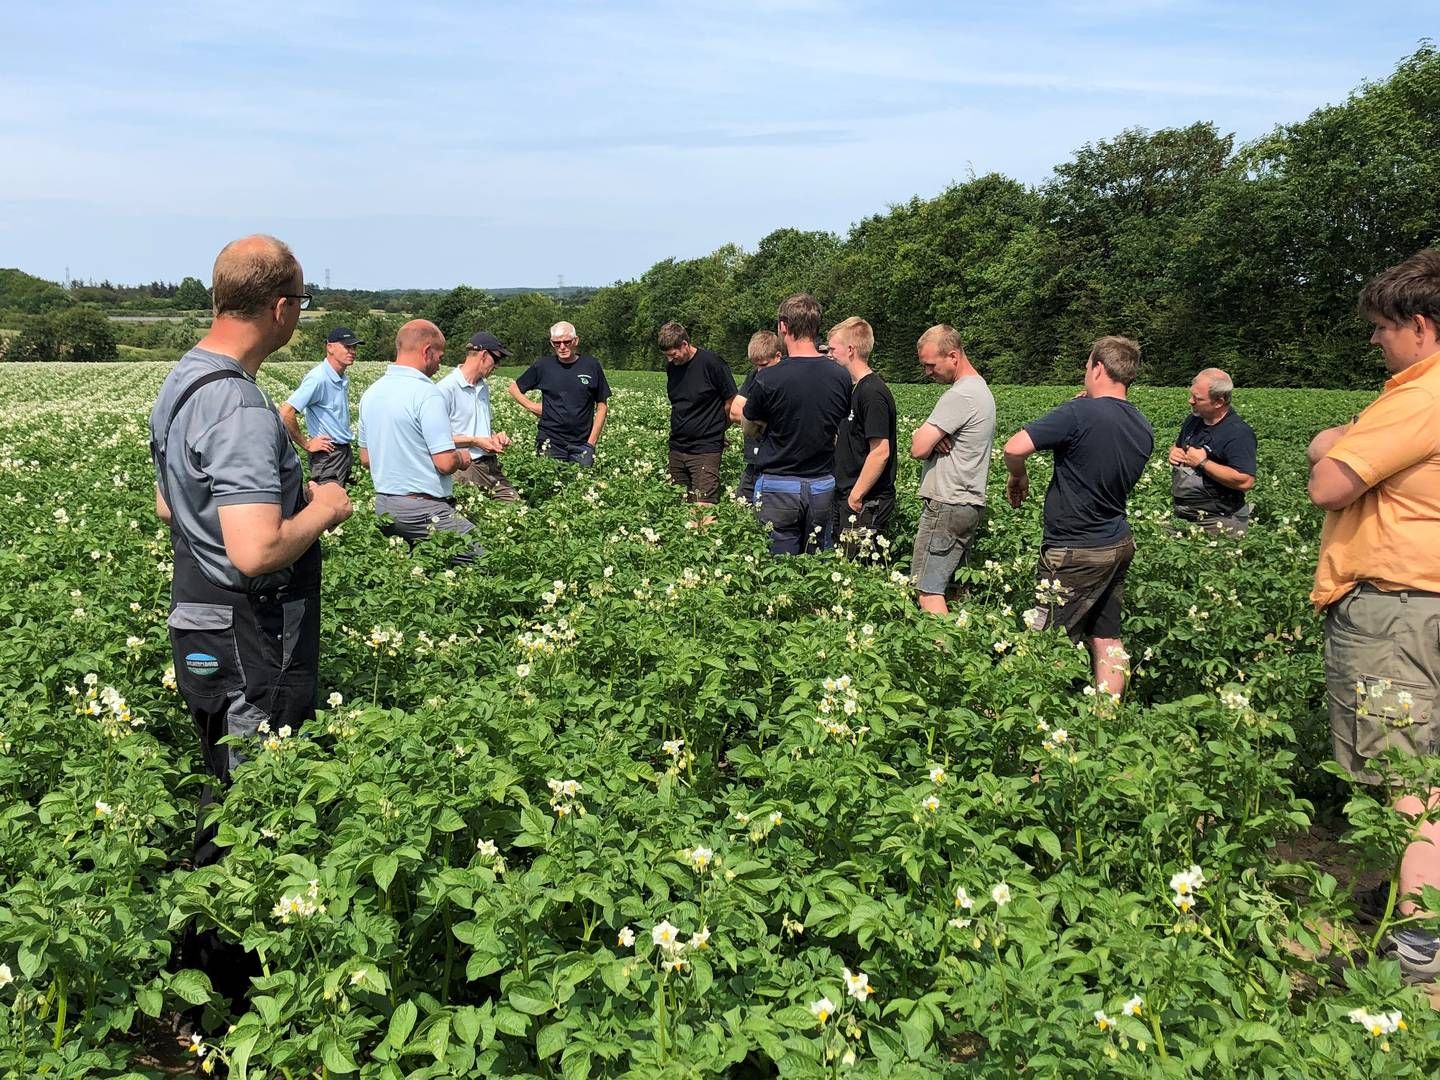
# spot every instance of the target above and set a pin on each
(584, 379)
(202, 664)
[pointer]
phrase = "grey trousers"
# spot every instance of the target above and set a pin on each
(415, 517)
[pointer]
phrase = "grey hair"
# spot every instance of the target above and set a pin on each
(1217, 384)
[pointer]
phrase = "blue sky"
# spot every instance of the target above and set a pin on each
(426, 144)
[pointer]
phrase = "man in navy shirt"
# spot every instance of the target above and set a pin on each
(573, 397)
(795, 408)
(762, 352)
(1213, 459)
(1101, 442)
(699, 387)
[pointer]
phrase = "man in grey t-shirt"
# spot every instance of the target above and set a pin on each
(954, 445)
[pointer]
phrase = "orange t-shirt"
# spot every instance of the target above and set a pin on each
(1390, 536)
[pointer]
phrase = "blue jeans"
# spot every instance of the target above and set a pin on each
(798, 511)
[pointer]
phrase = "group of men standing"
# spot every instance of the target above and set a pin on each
(820, 453)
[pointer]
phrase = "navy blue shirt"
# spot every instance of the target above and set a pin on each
(699, 390)
(1231, 443)
(568, 395)
(1101, 446)
(802, 400)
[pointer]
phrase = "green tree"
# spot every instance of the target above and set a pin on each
(192, 295)
(39, 339)
(86, 335)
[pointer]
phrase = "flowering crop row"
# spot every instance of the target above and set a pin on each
(631, 798)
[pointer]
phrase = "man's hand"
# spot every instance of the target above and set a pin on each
(502, 441)
(855, 503)
(1177, 456)
(1321, 444)
(944, 446)
(332, 497)
(465, 459)
(489, 443)
(1194, 456)
(320, 444)
(1016, 489)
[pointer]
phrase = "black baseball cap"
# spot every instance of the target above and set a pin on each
(490, 343)
(344, 335)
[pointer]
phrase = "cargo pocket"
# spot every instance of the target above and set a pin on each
(300, 636)
(1393, 715)
(207, 659)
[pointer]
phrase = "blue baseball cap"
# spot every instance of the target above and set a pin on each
(344, 335)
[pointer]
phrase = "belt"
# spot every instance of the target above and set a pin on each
(793, 485)
(449, 500)
(1404, 594)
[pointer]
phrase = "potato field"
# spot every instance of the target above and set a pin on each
(629, 797)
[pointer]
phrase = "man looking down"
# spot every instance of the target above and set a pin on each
(1213, 459)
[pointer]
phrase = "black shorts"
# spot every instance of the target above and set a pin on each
(1091, 587)
(333, 466)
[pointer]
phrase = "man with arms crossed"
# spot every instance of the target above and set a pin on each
(865, 448)
(245, 536)
(795, 408)
(467, 397)
(324, 397)
(1101, 442)
(700, 388)
(406, 442)
(1213, 459)
(954, 446)
(762, 352)
(573, 398)
(1378, 578)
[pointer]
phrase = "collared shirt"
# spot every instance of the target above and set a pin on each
(469, 407)
(227, 447)
(324, 397)
(1390, 535)
(403, 421)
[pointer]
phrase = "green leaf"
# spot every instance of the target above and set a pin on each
(575, 1062)
(533, 999)
(384, 869)
(191, 986)
(1255, 1031)
(335, 1057)
(150, 1000)
(551, 1039)
(402, 1022)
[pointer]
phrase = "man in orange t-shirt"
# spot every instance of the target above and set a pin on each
(1378, 577)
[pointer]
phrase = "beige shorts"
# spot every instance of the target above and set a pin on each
(1382, 675)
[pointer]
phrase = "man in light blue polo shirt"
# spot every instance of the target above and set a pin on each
(324, 397)
(406, 442)
(467, 396)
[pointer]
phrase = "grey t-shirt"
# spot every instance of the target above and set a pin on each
(966, 412)
(226, 447)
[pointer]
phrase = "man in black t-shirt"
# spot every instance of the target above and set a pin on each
(762, 352)
(795, 408)
(1101, 443)
(865, 450)
(699, 387)
(1213, 459)
(573, 397)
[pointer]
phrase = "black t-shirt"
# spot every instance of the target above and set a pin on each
(1231, 442)
(872, 416)
(699, 391)
(568, 393)
(1101, 446)
(802, 400)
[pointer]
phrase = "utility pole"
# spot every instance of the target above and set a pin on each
(327, 279)
(67, 278)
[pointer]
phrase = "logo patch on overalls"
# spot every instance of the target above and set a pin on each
(201, 663)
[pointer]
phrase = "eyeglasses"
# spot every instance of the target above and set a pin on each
(557, 342)
(303, 297)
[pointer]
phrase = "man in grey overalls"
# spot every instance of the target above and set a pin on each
(245, 599)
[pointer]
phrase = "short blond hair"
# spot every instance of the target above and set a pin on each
(857, 333)
(944, 337)
(250, 274)
(764, 345)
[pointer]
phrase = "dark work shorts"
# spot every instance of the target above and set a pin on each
(1092, 587)
(698, 474)
(856, 533)
(329, 466)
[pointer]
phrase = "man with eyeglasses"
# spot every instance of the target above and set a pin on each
(573, 398)
(406, 442)
(245, 538)
(324, 397)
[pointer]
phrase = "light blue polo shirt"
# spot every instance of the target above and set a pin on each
(469, 407)
(403, 420)
(324, 397)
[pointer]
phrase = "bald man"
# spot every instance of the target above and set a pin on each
(1213, 459)
(245, 539)
(406, 442)
(573, 401)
